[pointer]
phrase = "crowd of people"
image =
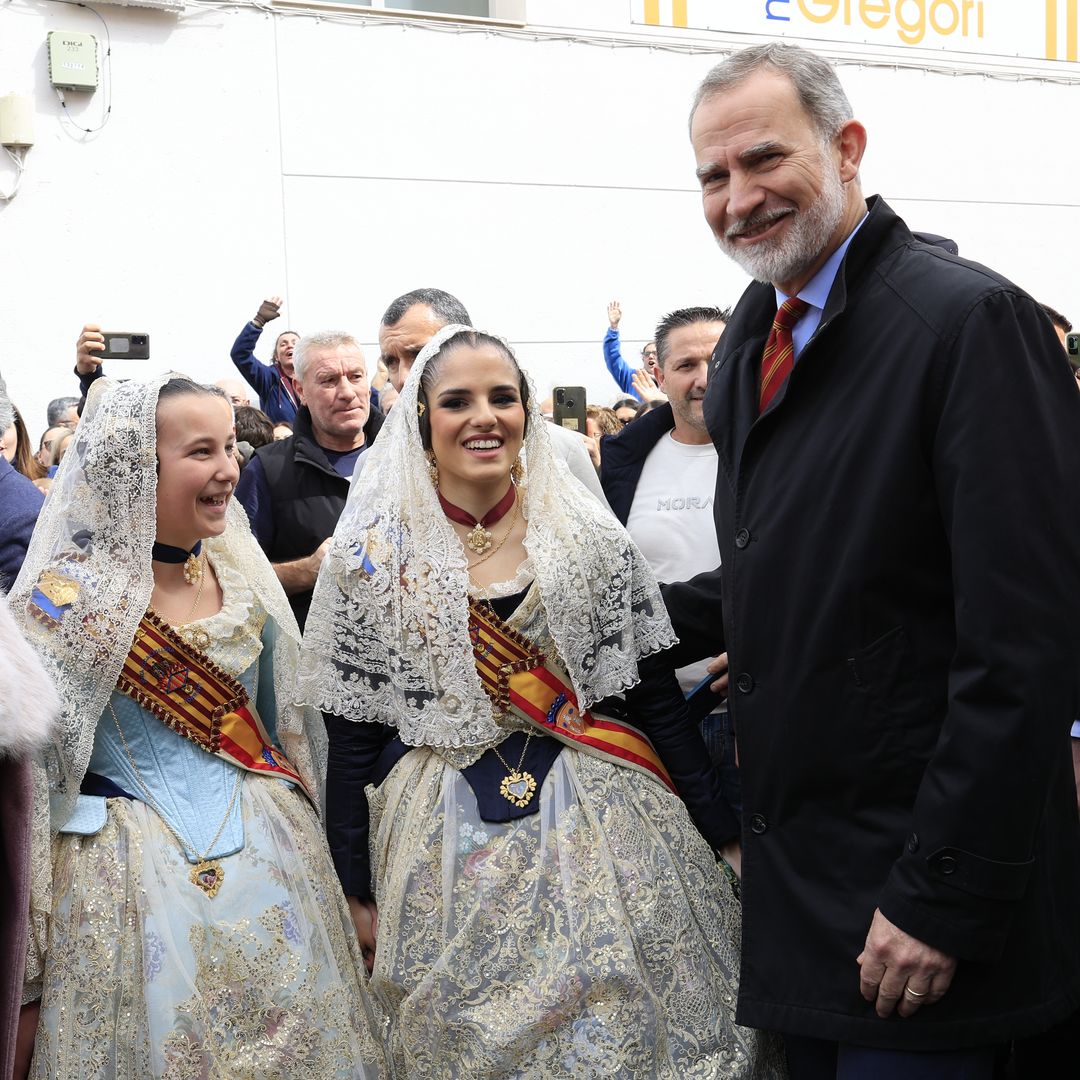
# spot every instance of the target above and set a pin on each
(371, 722)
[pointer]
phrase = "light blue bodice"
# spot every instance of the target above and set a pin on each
(191, 788)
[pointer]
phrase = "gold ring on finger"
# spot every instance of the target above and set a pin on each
(915, 993)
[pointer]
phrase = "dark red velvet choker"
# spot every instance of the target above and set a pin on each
(479, 540)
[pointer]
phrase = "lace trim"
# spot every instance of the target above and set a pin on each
(235, 631)
(497, 589)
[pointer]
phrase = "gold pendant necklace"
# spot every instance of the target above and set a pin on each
(518, 786)
(193, 570)
(479, 540)
(195, 636)
(495, 550)
(206, 874)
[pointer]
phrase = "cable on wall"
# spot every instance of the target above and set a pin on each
(18, 156)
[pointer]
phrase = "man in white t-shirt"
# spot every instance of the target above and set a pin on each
(659, 475)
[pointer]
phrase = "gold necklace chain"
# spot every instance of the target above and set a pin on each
(495, 550)
(521, 760)
(207, 875)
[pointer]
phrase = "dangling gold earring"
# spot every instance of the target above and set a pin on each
(517, 472)
(432, 468)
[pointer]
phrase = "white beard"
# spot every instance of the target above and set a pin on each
(805, 238)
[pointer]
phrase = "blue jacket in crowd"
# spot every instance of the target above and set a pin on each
(20, 503)
(276, 397)
(620, 370)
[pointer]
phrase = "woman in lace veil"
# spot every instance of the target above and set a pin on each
(532, 898)
(190, 924)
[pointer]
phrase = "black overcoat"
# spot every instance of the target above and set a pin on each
(900, 593)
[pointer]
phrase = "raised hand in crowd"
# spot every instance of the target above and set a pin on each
(91, 342)
(645, 386)
(269, 310)
(614, 314)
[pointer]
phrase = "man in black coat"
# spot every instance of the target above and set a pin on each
(295, 489)
(898, 528)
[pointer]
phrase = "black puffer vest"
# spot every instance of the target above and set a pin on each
(307, 495)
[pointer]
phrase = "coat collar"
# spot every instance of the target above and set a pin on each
(309, 451)
(731, 403)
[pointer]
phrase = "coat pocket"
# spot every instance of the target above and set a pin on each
(900, 705)
(876, 668)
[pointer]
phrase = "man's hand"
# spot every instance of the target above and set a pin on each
(269, 310)
(614, 314)
(365, 917)
(592, 444)
(91, 341)
(299, 576)
(1076, 767)
(646, 387)
(899, 971)
(718, 665)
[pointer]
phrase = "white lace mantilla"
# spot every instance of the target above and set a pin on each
(86, 584)
(387, 637)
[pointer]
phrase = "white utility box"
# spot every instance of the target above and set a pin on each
(73, 60)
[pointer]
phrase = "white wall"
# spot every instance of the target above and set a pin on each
(343, 162)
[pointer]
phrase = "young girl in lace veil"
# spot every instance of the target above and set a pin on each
(190, 925)
(538, 902)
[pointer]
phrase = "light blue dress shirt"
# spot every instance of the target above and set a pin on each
(816, 292)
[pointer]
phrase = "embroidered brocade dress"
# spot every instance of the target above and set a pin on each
(596, 937)
(148, 976)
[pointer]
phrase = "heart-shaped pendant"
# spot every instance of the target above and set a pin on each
(518, 788)
(208, 876)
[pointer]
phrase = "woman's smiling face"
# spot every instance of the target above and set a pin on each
(197, 469)
(477, 417)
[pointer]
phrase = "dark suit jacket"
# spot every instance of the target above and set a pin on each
(901, 567)
(20, 503)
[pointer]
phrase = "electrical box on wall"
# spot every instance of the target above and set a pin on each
(73, 60)
(16, 121)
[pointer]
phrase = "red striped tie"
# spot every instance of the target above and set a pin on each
(779, 356)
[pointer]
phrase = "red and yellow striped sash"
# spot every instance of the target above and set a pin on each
(194, 697)
(520, 679)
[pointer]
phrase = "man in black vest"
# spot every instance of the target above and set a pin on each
(295, 489)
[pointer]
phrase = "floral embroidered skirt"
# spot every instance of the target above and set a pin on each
(147, 976)
(595, 938)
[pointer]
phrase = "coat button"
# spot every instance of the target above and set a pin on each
(742, 538)
(745, 683)
(947, 864)
(913, 843)
(758, 825)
